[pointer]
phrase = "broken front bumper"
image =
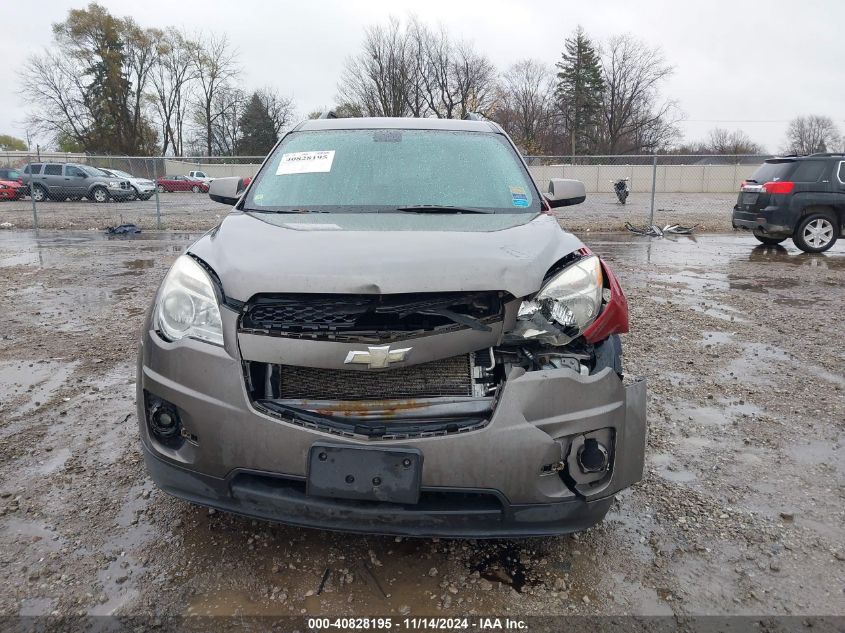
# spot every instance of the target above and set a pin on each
(508, 478)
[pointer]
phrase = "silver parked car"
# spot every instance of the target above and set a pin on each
(143, 188)
(60, 181)
(391, 333)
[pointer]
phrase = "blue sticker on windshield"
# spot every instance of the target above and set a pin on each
(518, 197)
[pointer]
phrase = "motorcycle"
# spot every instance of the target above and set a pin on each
(620, 187)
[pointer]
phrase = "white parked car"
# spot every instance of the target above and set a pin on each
(199, 175)
(144, 188)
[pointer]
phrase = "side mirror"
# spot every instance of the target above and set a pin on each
(226, 190)
(564, 192)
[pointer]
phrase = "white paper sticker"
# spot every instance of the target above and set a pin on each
(306, 162)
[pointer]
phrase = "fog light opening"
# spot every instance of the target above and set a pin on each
(592, 456)
(164, 421)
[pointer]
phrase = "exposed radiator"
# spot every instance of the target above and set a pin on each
(445, 377)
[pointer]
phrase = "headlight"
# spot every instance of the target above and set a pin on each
(186, 305)
(114, 184)
(564, 307)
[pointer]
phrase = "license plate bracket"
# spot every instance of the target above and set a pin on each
(363, 473)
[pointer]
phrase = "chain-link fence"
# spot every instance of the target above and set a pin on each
(648, 189)
(57, 190)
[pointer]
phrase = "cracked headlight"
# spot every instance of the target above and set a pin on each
(187, 306)
(565, 305)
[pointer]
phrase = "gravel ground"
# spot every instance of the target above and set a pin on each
(196, 212)
(740, 510)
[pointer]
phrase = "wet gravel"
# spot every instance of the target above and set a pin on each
(740, 510)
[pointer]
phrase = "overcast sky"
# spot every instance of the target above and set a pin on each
(745, 65)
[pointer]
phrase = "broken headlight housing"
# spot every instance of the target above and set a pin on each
(565, 305)
(187, 306)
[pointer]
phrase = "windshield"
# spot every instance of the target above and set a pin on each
(92, 171)
(385, 170)
(120, 174)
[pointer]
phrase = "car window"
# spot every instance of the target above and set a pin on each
(36, 168)
(768, 172)
(76, 172)
(380, 170)
(809, 171)
(842, 172)
(53, 170)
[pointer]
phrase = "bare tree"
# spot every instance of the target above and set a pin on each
(525, 107)
(633, 117)
(811, 134)
(215, 65)
(281, 109)
(227, 108)
(415, 72)
(722, 141)
(458, 79)
(54, 87)
(377, 78)
(171, 79)
(141, 58)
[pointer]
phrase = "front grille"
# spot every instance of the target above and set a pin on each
(445, 377)
(370, 317)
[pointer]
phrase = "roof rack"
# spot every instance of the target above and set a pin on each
(474, 116)
(328, 114)
(828, 154)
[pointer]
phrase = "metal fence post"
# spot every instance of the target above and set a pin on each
(653, 187)
(158, 203)
(32, 195)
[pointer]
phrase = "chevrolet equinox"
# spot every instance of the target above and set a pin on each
(391, 333)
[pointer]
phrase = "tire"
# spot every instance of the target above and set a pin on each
(39, 194)
(768, 240)
(99, 194)
(160, 188)
(195, 189)
(145, 197)
(817, 232)
(135, 195)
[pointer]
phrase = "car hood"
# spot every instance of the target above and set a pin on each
(382, 253)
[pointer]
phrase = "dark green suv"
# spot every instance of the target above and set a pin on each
(802, 197)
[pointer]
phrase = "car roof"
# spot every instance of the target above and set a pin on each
(398, 123)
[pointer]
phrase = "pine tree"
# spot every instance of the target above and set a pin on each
(257, 131)
(579, 88)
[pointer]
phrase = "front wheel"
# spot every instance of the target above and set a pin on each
(100, 194)
(135, 195)
(195, 189)
(816, 233)
(145, 196)
(768, 240)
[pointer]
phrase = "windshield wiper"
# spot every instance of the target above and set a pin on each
(441, 208)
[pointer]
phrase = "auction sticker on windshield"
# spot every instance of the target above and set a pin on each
(305, 162)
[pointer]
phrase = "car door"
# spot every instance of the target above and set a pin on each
(53, 178)
(75, 181)
(180, 183)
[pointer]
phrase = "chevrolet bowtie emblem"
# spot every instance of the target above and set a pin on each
(378, 357)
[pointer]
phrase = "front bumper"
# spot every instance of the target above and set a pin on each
(121, 194)
(483, 483)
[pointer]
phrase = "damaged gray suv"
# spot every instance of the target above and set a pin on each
(390, 333)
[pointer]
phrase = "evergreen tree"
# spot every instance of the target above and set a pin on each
(258, 134)
(579, 89)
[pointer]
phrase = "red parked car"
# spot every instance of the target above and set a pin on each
(11, 190)
(180, 183)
